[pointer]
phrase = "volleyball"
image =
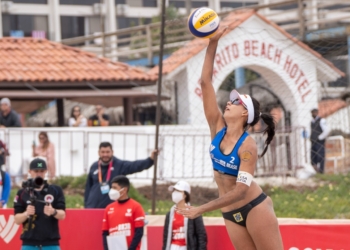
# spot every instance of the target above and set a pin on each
(203, 22)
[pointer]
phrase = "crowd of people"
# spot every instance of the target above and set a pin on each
(10, 118)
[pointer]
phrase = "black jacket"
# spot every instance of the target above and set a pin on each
(196, 236)
(93, 198)
(44, 230)
(11, 120)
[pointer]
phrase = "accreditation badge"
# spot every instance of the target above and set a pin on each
(104, 188)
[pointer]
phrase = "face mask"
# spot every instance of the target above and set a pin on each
(114, 194)
(177, 196)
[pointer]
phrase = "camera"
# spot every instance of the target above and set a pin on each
(33, 183)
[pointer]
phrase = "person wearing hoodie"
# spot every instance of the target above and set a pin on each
(179, 232)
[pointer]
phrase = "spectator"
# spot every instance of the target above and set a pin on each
(104, 170)
(319, 132)
(179, 232)
(76, 118)
(100, 118)
(8, 117)
(46, 149)
(5, 188)
(3, 153)
(40, 220)
(124, 216)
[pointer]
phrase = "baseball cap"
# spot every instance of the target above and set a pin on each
(248, 103)
(38, 163)
(5, 100)
(181, 186)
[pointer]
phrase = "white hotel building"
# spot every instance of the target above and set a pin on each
(61, 19)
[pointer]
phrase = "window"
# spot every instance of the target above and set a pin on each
(120, 2)
(177, 4)
(198, 4)
(72, 26)
(30, 1)
(79, 2)
(149, 3)
(236, 4)
(25, 23)
(126, 22)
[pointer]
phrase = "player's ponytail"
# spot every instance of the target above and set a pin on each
(268, 120)
(270, 130)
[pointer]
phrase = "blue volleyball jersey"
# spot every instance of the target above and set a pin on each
(227, 164)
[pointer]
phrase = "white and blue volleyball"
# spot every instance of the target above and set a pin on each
(203, 22)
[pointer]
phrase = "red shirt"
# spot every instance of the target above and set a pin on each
(123, 218)
(178, 230)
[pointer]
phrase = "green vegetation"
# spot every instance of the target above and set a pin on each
(328, 199)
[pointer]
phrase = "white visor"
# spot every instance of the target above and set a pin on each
(247, 100)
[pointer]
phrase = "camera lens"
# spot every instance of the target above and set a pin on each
(38, 182)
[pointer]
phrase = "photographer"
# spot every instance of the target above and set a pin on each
(39, 206)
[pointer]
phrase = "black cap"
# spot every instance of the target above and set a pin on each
(37, 163)
(314, 110)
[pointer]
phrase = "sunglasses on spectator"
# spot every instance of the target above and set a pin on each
(42, 138)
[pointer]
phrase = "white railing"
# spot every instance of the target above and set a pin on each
(184, 150)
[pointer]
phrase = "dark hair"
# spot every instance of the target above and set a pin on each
(268, 120)
(72, 111)
(122, 181)
(188, 197)
(105, 145)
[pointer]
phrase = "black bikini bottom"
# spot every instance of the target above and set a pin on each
(239, 216)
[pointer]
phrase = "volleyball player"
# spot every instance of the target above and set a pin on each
(249, 215)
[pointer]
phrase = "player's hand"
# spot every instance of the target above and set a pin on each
(189, 212)
(49, 210)
(218, 34)
(30, 210)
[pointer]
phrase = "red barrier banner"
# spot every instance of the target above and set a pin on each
(82, 230)
(295, 237)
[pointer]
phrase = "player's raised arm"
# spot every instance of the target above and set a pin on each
(211, 108)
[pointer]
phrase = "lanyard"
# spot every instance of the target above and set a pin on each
(108, 173)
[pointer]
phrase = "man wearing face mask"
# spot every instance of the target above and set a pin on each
(104, 170)
(124, 216)
(179, 232)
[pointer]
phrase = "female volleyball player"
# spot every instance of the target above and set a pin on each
(249, 216)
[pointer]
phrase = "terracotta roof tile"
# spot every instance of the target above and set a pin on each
(232, 21)
(36, 60)
(329, 107)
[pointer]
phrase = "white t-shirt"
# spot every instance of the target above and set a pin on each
(83, 122)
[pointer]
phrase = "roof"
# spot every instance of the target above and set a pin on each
(40, 60)
(25, 101)
(329, 107)
(232, 21)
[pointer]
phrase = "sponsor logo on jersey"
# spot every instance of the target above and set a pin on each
(128, 212)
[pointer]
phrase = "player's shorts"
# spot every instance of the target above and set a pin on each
(239, 216)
